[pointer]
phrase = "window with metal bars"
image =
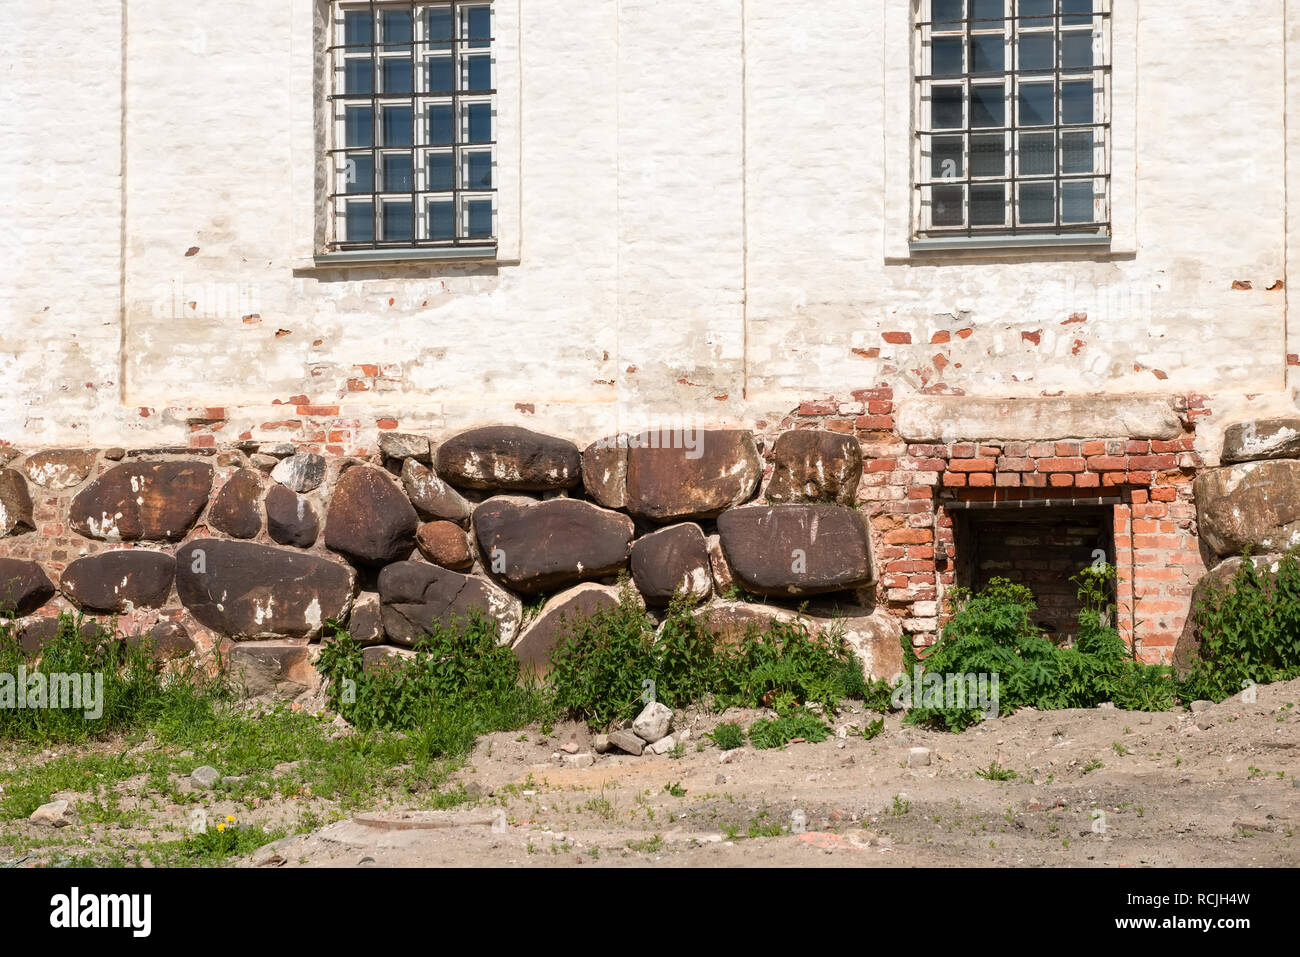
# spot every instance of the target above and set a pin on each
(1012, 129)
(413, 106)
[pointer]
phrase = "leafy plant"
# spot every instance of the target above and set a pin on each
(728, 736)
(765, 733)
(996, 772)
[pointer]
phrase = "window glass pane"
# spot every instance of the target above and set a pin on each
(1027, 7)
(442, 220)
(441, 127)
(1076, 152)
(1076, 202)
(1036, 203)
(480, 72)
(986, 54)
(480, 218)
(946, 56)
(397, 126)
(1036, 104)
(945, 206)
(1036, 51)
(439, 28)
(479, 172)
(356, 27)
(397, 172)
(987, 106)
(1076, 101)
(1037, 154)
(1076, 49)
(397, 75)
(943, 12)
(441, 77)
(478, 26)
(361, 224)
(396, 26)
(358, 77)
(442, 172)
(1083, 7)
(988, 155)
(988, 206)
(358, 126)
(480, 122)
(946, 107)
(945, 157)
(359, 173)
(397, 220)
(987, 10)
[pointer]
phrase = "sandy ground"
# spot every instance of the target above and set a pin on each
(1099, 788)
(1219, 787)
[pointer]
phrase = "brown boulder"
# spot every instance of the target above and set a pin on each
(445, 544)
(119, 581)
(557, 619)
(15, 504)
(784, 550)
(59, 468)
(1254, 506)
(536, 546)
(273, 669)
(689, 474)
(604, 471)
(414, 595)
(24, 587)
(366, 624)
(36, 633)
(143, 501)
(812, 465)
(370, 521)
(236, 509)
(1187, 650)
(669, 560)
(248, 591)
(1276, 438)
(433, 499)
(290, 518)
(164, 641)
(509, 457)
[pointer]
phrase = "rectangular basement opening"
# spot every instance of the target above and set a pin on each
(1038, 544)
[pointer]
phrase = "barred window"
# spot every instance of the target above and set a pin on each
(1012, 118)
(413, 108)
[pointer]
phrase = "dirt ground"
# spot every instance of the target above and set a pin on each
(1099, 788)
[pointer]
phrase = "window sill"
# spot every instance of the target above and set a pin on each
(388, 257)
(1044, 241)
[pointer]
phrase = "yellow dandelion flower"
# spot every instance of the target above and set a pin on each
(221, 826)
(230, 818)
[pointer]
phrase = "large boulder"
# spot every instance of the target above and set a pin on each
(785, 550)
(812, 465)
(1252, 506)
(604, 471)
(164, 641)
(1187, 650)
(290, 518)
(275, 669)
(669, 560)
(15, 504)
(690, 474)
(246, 591)
(143, 501)
(414, 595)
(369, 520)
(236, 510)
(509, 457)
(434, 500)
(445, 544)
(58, 469)
(119, 581)
(24, 587)
(873, 635)
(542, 546)
(1275, 438)
(558, 618)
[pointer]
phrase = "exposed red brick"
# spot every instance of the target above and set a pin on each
(972, 465)
(897, 338)
(872, 353)
(386, 423)
(940, 337)
(875, 423)
(318, 411)
(1062, 465)
(1107, 463)
(1033, 337)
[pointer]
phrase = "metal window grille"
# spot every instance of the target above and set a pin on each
(413, 106)
(1012, 103)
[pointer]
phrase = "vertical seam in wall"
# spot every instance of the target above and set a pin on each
(121, 227)
(1286, 199)
(620, 376)
(744, 204)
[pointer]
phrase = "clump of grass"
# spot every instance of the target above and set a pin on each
(728, 736)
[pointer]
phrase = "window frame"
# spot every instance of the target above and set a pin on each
(315, 131)
(904, 239)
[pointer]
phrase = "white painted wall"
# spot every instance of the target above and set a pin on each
(704, 199)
